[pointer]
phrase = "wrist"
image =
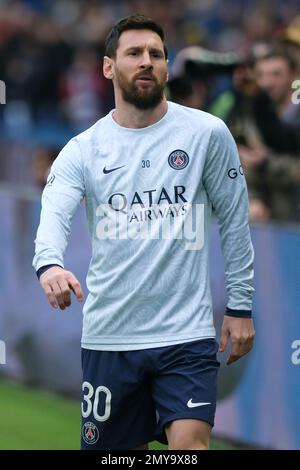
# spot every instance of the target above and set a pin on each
(45, 268)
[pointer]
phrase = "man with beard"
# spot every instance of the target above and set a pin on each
(148, 342)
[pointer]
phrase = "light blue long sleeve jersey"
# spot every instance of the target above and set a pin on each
(149, 195)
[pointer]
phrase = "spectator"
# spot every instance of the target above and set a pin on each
(275, 72)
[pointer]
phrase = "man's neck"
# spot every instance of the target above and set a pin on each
(127, 115)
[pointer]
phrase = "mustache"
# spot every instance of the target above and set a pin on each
(145, 75)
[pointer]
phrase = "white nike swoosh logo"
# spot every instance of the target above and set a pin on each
(190, 404)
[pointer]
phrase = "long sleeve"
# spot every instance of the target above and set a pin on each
(226, 188)
(61, 197)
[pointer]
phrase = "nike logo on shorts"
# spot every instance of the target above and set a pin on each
(191, 404)
(105, 171)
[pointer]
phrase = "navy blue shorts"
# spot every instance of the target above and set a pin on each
(128, 397)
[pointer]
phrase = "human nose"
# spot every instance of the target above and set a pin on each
(146, 61)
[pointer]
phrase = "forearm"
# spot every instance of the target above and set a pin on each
(238, 257)
(53, 232)
(61, 197)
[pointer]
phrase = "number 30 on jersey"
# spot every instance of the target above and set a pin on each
(89, 397)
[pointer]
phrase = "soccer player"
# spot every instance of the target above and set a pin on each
(150, 172)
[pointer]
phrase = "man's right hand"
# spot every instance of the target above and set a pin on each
(57, 284)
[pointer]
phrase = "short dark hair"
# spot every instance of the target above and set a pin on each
(127, 23)
(279, 53)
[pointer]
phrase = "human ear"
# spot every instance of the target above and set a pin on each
(108, 68)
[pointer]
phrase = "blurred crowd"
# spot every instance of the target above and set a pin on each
(239, 60)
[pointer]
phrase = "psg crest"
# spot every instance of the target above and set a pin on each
(90, 433)
(178, 159)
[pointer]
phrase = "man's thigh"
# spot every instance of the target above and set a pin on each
(186, 386)
(117, 408)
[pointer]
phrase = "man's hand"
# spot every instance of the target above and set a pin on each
(57, 284)
(241, 331)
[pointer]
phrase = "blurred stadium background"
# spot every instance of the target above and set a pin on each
(239, 60)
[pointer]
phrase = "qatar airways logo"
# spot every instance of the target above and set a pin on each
(152, 214)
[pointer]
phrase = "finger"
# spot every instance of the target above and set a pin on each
(223, 341)
(50, 294)
(246, 344)
(232, 358)
(65, 289)
(250, 342)
(239, 349)
(235, 352)
(58, 294)
(76, 287)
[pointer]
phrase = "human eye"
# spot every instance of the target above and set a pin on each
(133, 53)
(157, 55)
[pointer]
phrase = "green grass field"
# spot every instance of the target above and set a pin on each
(37, 420)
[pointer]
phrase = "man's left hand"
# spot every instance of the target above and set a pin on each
(241, 331)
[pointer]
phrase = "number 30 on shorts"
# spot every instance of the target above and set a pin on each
(88, 397)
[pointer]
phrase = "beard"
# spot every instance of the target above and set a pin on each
(142, 98)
